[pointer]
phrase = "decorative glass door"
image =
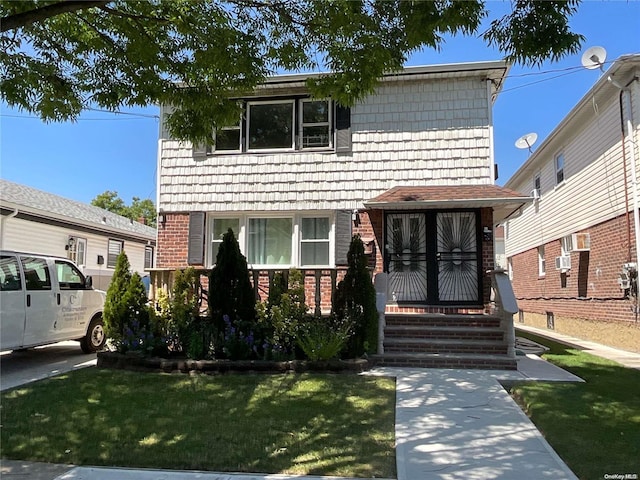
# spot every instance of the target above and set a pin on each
(457, 257)
(406, 245)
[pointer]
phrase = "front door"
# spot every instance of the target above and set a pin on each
(433, 257)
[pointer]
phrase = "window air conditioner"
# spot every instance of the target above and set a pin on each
(535, 193)
(581, 242)
(563, 262)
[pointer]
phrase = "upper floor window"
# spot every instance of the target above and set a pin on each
(316, 125)
(559, 161)
(114, 249)
(270, 125)
(536, 185)
(285, 124)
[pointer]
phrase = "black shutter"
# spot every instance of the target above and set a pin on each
(196, 239)
(343, 236)
(343, 129)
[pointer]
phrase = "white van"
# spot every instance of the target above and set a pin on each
(46, 299)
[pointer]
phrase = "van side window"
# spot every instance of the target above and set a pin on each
(9, 274)
(36, 273)
(69, 277)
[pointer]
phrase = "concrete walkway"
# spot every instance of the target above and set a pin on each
(623, 357)
(450, 424)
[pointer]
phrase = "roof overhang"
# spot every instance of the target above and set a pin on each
(504, 202)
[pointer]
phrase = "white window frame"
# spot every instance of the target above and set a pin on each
(109, 242)
(328, 241)
(292, 146)
(210, 240)
(559, 170)
(542, 267)
(566, 245)
(148, 248)
(510, 267)
(237, 150)
(328, 123)
(296, 236)
(537, 183)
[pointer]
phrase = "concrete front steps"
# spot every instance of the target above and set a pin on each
(444, 341)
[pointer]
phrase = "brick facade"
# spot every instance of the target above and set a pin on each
(173, 237)
(586, 301)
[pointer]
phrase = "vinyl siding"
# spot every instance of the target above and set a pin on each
(593, 190)
(33, 237)
(409, 133)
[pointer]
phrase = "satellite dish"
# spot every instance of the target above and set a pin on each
(527, 141)
(594, 58)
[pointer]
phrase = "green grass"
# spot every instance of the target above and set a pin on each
(339, 425)
(593, 426)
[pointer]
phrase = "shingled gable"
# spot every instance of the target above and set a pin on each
(503, 200)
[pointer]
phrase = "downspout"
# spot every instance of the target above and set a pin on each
(626, 181)
(4, 223)
(492, 166)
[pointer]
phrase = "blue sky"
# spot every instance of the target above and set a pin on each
(104, 151)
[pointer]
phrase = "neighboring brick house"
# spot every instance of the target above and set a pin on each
(410, 168)
(573, 252)
(34, 221)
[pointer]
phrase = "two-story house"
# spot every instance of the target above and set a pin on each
(573, 253)
(410, 168)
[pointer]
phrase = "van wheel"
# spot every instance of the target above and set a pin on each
(95, 338)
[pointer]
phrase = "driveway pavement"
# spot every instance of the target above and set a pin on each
(25, 366)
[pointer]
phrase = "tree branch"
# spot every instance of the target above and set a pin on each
(24, 19)
(118, 13)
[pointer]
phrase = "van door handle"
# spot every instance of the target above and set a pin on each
(58, 296)
(28, 299)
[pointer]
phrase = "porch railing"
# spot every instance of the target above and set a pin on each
(319, 284)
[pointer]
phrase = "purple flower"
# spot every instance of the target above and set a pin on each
(226, 319)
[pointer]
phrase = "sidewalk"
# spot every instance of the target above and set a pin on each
(623, 357)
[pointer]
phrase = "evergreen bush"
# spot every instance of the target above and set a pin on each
(116, 311)
(231, 294)
(354, 303)
(195, 334)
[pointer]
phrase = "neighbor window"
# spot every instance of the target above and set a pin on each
(270, 125)
(541, 262)
(77, 250)
(566, 245)
(314, 241)
(148, 257)
(115, 247)
(559, 168)
(269, 241)
(220, 226)
(536, 183)
(315, 124)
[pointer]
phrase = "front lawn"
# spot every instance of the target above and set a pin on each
(317, 424)
(593, 426)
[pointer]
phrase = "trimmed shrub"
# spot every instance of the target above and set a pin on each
(354, 303)
(116, 310)
(195, 334)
